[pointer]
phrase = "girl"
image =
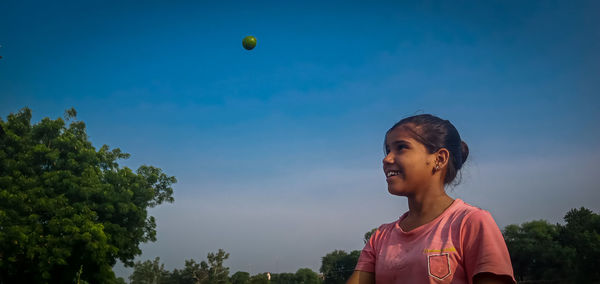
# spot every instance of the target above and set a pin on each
(439, 239)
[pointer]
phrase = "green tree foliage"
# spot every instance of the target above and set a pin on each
(240, 277)
(210, 272)
(283, 278)
(65, 205)
(217, 272)
(568, 253)
(337, 266)
(582, 234)
(192, 273)
(307, 276)
(149, 272)
(195, 272)
(302, 276)
(536, 253)
(259, 279)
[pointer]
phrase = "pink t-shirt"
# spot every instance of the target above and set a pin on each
(463, 241)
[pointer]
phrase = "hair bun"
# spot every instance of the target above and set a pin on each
(465, 151)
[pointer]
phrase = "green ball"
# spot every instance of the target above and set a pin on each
(249, 42)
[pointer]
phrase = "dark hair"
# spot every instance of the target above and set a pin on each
(435, 133)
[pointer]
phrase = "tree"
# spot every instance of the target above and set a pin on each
(240, 277)
(536, 253)
(192, 273)
(307, 276)
(302, 276)
(541, 251)
(284, 278)
(65, 205)
(177, 277)
(259, 279)
(337, 266)
(217, 273)
(198, 273)
(582, 234)
(149, 272)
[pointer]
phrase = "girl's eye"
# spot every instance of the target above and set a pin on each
(398, 148)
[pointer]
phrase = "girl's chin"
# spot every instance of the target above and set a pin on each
(397, 191)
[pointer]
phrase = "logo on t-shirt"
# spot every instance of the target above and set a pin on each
(438, 265)
(450, 249)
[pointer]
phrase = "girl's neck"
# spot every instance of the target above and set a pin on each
(428, 206)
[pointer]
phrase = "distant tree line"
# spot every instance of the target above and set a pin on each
(565, 253)
(213, 272)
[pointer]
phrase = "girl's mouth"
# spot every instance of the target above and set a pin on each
(392, 173)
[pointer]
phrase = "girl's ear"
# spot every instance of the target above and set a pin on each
(442, 156)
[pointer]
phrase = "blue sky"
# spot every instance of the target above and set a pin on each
(278, 150)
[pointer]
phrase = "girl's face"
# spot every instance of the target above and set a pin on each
(408, 166)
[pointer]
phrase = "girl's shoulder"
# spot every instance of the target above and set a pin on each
(461, 215)
(384, 231)
(472, 216)
(387, 227)
(465, 210)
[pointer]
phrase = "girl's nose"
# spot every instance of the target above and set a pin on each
(388, 159)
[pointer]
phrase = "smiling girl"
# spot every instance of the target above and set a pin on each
(439, 239)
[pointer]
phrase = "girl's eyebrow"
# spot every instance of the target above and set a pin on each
(399, 142)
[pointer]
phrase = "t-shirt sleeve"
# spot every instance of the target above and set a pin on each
(366, 261)
(484, 247)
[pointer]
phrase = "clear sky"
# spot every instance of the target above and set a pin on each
(278, 150)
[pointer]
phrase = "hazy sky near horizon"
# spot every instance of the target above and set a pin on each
(278, 150)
